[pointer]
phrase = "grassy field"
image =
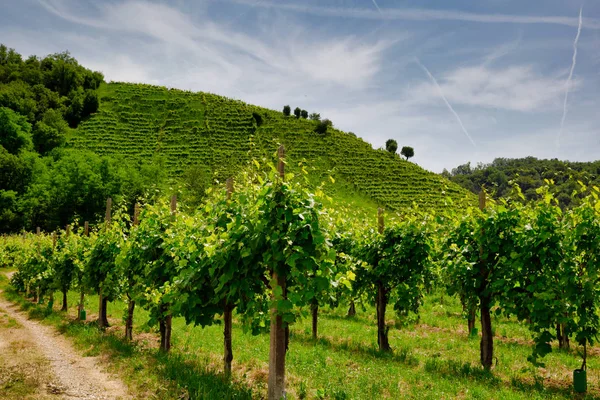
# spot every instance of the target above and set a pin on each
(433, 358)
(220, 136)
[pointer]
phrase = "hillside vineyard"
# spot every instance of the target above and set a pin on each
(221, 134)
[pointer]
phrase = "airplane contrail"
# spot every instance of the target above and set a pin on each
(377, 6)
(435, 82)
(568, 83)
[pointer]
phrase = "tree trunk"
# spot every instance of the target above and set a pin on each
(352, 309)
(80, 306)
(64, 303)
(487, 339)
(471, 321)
(314, 308)
(165, 330)
(382, 331)
(104, 318)
(51, 299)
(100, 309)
(227, 348)
(129, 321)
(277, 350)
(562, 336)
(36, 295)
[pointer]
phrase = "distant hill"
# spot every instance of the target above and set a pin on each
(221, 135)
(529, 173)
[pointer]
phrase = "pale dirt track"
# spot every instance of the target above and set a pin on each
(75, 377)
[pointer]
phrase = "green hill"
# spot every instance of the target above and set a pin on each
(222, 135)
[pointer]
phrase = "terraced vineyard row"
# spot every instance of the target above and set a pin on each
(221, 134)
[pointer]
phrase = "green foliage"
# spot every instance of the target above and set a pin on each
(314, 117)
(286, 111)
(101, 270)
(221, 136)
(391, 145)
(399, 260)
(407, 152)
(529, 174)
(297, 112)
(321, 127)
(15, 131)
(304, 114)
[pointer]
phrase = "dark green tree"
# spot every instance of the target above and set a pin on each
(297, 112)
(15, 131)
(287, 111)
(391, 145)
(304, 114)
(407, 152)
(90, 103)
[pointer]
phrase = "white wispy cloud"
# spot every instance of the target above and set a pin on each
(219, 50)
(443, 97)
(514, 88)
(418, 14)
(570, 77)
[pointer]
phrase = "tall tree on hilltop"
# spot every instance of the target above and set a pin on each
(407, 152)
(391, 145)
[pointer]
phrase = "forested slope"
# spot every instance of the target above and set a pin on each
(529, 173)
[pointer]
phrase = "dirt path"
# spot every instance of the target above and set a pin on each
(73, 376)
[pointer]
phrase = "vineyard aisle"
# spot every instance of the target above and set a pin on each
(71, 375)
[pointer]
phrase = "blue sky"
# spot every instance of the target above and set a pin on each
(459, 81)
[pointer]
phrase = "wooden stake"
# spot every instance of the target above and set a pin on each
(228, 314)
(86, 228)
(382, 331)
(107, 216)
(276, 390)
(380, 225)
(136, 214)
(173, 204)
(280, 162)
(482, 200)
(102, 320)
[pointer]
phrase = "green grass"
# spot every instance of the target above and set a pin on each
(138, 121)
(433, 358)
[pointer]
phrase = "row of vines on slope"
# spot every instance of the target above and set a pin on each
(271, 250)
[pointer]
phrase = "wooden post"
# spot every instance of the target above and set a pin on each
(131, 301)
(381, 301)
(102, 317)
(86, 232)
(107, 216)
(482, 200)
(51, 298)
(64, 291)
(486, 345)
(166, 322)
(136, 214)
(228, 313)
(277, 348)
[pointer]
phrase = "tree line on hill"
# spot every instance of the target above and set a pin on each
(529, 174)
(392, 146)
(42, 182)
(321, 126)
